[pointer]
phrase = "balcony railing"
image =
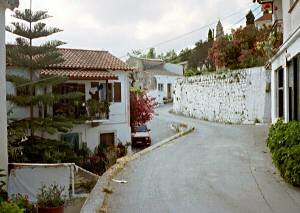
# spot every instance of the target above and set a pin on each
(91, 111)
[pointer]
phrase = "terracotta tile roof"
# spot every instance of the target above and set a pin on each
(265, 17)
(79, 74)
(86, 65)
(91, 59)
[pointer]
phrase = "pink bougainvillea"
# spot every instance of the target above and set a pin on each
(141, 107)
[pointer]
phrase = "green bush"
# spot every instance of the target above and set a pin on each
(40, 150)
(284, 144)
(8, 207)
(23, 202)
(191, 72)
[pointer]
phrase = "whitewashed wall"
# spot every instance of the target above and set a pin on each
(291, 19)
(241, 96)
(28, 179)
(165, 80)
(119, 116)
(174, 68)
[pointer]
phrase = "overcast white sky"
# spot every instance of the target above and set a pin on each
(120, 26)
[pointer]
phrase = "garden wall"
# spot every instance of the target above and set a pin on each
(239, 96)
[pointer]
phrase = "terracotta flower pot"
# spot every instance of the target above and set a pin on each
(59, 209)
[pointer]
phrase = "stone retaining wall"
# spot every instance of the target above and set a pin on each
(239, 96)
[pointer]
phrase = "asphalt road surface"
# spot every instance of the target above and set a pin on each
(160, 128)
(217, 168)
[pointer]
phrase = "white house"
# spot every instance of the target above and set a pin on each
(11, 4)
(101, 77)
(286, 62)
(156, 77)
(264, 21)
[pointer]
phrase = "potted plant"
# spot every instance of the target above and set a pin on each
(97, 110)
(51, 199)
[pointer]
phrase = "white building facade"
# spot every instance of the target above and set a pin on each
(286, 63)
(11, 4)
(108, 80)
(156, 77)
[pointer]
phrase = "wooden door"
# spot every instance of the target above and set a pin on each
(107, 139)
(169, 90)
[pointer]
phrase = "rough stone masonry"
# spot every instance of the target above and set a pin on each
(238, 97)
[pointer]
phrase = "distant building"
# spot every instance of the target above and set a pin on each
(219, 30)
(184, 64)
(155, 76)
(264, 21)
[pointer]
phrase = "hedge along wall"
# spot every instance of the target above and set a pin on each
(239, 96)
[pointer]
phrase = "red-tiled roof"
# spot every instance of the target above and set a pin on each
(265, 17)
(91, 59)
(79, 74)
(86, 65)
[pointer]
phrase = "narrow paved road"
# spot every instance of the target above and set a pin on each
(217, 168)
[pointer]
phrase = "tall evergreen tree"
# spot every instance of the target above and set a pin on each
(151, 53)
(210, 36)
(250, 18)
(34, 91)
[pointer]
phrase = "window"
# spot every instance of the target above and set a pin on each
(280, 93)
(160, 87)
(295, 100)
(169, 91)
(73, 139)
(117, 92)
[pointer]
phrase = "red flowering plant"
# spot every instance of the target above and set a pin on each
(240, 48)
(141, 107)
(225, 52)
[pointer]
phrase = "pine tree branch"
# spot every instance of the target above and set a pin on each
(46, 99)
(23, 47)
(48, 59)
(53, 81)
(29, 16)
(49, 125)
(39, 30)
(17, 80)
(39, 58)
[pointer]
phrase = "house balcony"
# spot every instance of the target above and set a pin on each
(91, 107)
(90, 112)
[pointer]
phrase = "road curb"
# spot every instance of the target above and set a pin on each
(96, 201)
